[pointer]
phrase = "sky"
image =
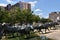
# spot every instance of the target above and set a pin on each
(40, 7)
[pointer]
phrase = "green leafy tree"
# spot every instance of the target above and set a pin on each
(16, 15)
(44, 20)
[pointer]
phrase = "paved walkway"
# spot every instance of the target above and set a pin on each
(55, 34)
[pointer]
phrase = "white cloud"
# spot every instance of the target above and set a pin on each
(10, 1)
(38, 10)
(33, 3)
(46, 17)
(39, 14)
(2, 4)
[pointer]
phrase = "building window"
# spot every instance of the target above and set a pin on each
(57, 18)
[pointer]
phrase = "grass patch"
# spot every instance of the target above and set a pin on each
(23, 37)
(50, 39)
(32, 36)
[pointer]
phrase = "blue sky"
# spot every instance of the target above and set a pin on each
(40, 7)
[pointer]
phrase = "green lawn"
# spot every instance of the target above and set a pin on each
(32, 36)
(23, 37)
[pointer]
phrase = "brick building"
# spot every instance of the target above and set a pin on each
(21, 5)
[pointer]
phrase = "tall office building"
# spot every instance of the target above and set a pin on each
(21, 5)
